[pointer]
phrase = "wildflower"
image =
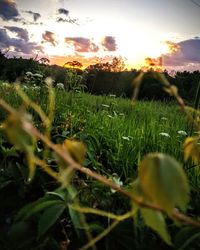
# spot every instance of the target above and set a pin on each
(110, 116)
(126, 138)
(116, 179)
(182, 132)
(105, 105)
(111, 95)
(29, 73)
(5, 84)
(36, 87)
(38, 75)
(164, 118)
(24, 87)
(60, 86)
(164, 134)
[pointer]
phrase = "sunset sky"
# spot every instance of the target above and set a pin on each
(137, 30)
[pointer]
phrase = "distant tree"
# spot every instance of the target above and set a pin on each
(73, 64)
(116, 65)
(44, 60)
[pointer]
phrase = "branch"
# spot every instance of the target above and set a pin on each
(30, 129)
(63, 154)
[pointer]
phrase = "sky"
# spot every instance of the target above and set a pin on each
(141, 32)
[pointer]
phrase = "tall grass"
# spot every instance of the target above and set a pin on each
(117, 133)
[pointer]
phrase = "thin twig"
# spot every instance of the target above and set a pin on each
(67, 158)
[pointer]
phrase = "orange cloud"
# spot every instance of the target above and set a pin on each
(173, 47)
(153, 63)
(62, 60)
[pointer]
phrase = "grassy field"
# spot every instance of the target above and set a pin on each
(116, 132)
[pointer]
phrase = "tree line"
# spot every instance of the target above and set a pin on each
(103, 78)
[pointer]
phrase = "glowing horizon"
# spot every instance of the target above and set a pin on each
(86, 31)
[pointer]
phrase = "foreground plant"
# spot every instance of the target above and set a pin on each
(160, 191)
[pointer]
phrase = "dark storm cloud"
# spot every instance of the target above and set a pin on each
(49, 37)
(188, 52)
(21, 33)
(35, 15)
(20, 46)
(8, 10)
(82, 44)
(109, 43)
(63, 11)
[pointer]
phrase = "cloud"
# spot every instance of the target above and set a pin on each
(86, 61)
(153, 62)
(67, 20)
(82, 44)
(188, 52)
(18, 47)
(182, 56)
(109, 43)
(21, 33)
(49, 37)
(63, 11)
(35, 15)
(8, 10)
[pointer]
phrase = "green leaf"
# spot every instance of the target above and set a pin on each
(74, 215)
(156, 221)
(164, 181)
(36, 207)
(60, 193)
(186, 236)
(49, 217)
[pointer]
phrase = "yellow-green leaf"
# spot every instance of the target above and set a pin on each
(15, 132)
(163, 180)
(192, 149)
(156, 221)
(31, 166)
(171, 90)
(76, 149)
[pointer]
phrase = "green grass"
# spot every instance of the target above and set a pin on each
(117, 133)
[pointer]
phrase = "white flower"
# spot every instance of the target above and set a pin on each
(105, 105)
(38, 75)
(110, 116)
(182, 132)
(36, 88)
(164, 134)
(164, 118)
(29, 73)
(116, 179)
(111, 95)
(60, 86)
(5, 84)
(126, 138)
